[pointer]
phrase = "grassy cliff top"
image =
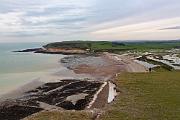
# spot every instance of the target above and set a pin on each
(118, 46)
(146, 96)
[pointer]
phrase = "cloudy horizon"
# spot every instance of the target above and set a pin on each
(58, 20)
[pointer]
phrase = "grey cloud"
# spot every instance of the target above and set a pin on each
(171, 28)
(110, 10)
(53, 10)
(24, 34)
(70, 16)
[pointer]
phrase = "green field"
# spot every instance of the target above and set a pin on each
(107, 46)
(142, 96)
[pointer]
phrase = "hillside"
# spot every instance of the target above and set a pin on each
(144, 96)
(100, 46)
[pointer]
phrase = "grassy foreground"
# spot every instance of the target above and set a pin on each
(151, 96)
(64, 115)
(143, 96)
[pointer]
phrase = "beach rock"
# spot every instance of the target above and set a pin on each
(12, 111)
(29, 50)
(74, 61)
(66, 94)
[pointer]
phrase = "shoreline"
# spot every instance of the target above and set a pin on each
(93, 75)
(33, 77)
(47, 76)
(64, 72)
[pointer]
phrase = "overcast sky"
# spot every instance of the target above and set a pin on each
(57, 20)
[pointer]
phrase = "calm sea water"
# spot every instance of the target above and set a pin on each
(17, 69)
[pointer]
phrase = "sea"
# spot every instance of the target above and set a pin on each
(17, 69)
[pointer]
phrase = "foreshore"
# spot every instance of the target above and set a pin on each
(84, 82)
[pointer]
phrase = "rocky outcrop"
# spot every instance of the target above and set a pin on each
(61, 51)
(29, 50)
(55, 51)
(65, 94)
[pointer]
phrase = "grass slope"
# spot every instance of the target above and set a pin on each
(146, 96)
(64, 115)
(143, 96)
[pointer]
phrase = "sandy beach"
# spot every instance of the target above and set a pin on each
(128, 62)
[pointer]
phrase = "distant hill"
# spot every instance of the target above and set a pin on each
(111, 46)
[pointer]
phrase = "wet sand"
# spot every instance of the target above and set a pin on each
(102, 68)
(128, 62)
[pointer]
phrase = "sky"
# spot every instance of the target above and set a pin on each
(59, 20)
